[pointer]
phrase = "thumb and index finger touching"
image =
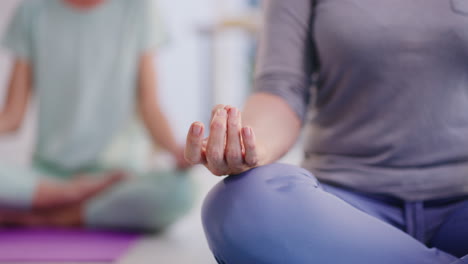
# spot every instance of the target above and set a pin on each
(196, 143)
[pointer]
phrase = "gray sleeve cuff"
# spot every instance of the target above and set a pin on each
(293, 89)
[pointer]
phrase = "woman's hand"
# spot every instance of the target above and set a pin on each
(229, 149)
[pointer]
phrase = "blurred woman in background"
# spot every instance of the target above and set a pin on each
(90, 63)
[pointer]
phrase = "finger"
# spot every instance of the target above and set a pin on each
(248, 136)
(204, 143)
(233, 146)
(228, 108)
(216, 108)
(216, 143)
(194, 145)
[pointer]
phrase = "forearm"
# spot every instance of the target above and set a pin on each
(7, 124)
(275, 124)
(159, 128)
(155, 120)
(281, 72)
(19, 89)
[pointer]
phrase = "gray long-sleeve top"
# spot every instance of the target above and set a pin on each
(386, 86)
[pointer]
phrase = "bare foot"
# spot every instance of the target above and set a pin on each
(50, 194)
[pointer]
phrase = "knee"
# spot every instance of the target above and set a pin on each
(266, 184)
(235, 211)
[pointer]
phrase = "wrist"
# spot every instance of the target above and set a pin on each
(175, 151)
(7, 125)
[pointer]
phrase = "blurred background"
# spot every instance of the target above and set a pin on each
(208, 59)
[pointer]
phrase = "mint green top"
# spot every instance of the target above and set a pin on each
(85, 65)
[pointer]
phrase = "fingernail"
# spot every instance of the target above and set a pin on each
(196, 129)
(221, 112)
(247, 131)
(234, 112)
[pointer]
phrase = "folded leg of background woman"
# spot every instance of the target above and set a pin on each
(146, 201)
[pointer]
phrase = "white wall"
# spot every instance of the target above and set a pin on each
(188, 92)
(181, 72)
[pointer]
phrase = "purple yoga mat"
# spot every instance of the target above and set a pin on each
(55, 245)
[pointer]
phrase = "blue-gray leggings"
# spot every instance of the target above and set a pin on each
(281, 214)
